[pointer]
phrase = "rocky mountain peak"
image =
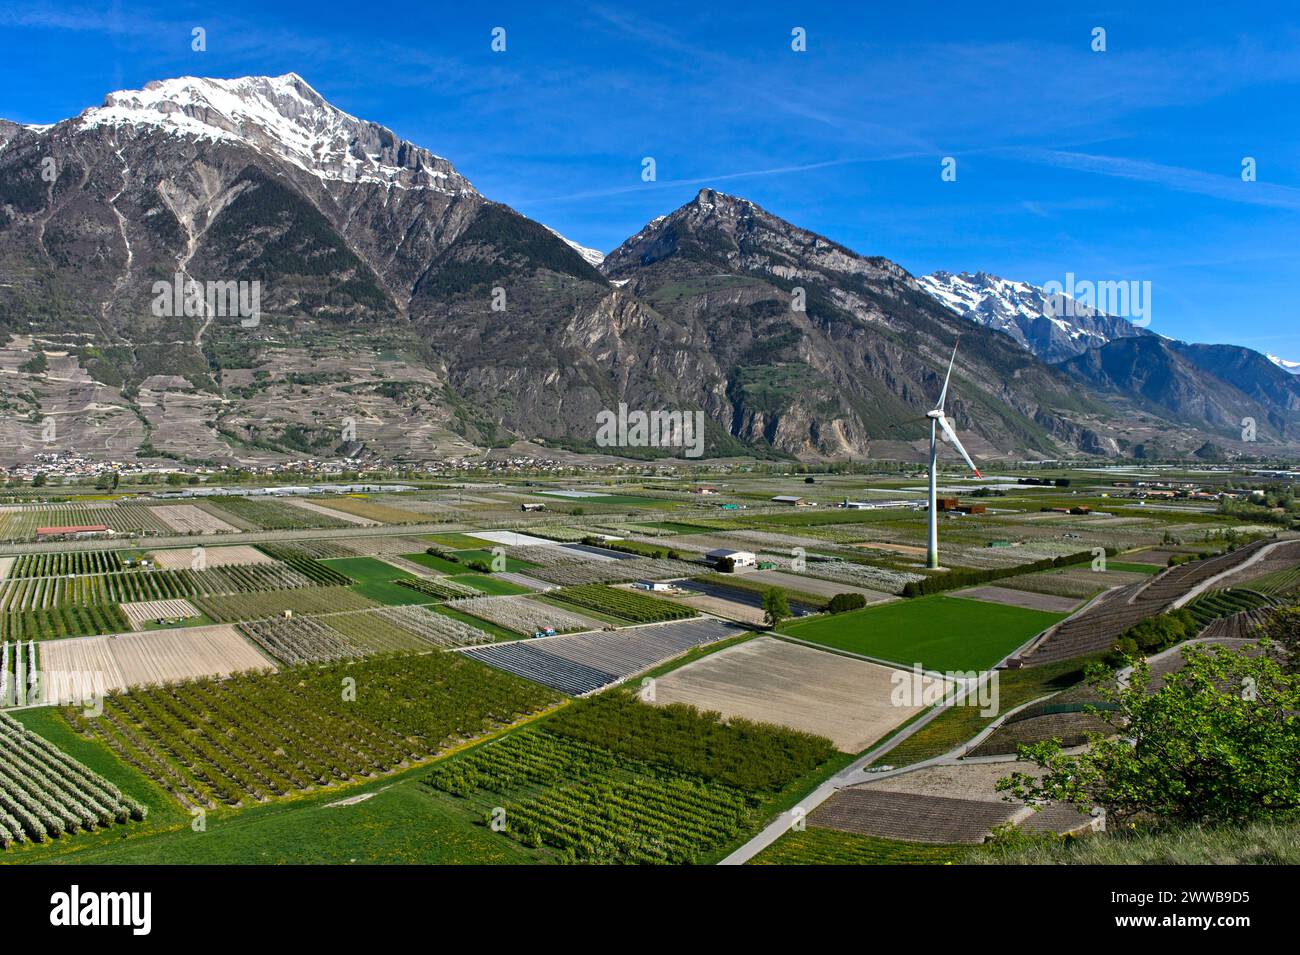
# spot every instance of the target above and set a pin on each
(280, 115)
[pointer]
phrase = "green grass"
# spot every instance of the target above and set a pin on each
(512, 565)
(439, 564)
(959, 724)
(399, 823)
(829, 847)
(1133, 568)
(374, 579)
(1272, 842)
(164, 811)
(492, 586)
(939, 632)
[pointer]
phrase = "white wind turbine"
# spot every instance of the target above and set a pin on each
(937, 421)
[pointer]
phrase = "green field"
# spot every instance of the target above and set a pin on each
(491, 586)
(456, 541)
(439, 564)
(374, 579)
(939, 632)
(512, 565)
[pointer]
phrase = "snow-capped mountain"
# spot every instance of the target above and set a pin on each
(593, 256)
(1026, 313)
(1292, 367)
(282, 115)
(377, 269)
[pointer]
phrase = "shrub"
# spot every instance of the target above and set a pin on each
(842, 603)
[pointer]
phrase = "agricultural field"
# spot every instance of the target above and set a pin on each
(55, 623)
(317, 508)
(610, 780)
(494, 585)
(183, 558)
(128, 586)
(522, 615)
(192, 519)
(147, 611)
(1028, 599)
(19, 669)
(376, 580)
(72, 667)
(370, 510)
(846, 700)
(261, 736)
(438, 588)
(436, 629)
(939, 632)
(46, 794)
(308, 600)
(815, 846)
(614, 571)
(294, 640)
(274, 515)
(586, 662)
(626, 605)
(65, 564)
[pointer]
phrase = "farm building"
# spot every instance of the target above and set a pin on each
(532, 507)
(73, 530)
(739, 558)
(790, 499)
(660, 585)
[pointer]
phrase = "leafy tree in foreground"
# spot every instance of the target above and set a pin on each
(1218, 743)
(775, 607)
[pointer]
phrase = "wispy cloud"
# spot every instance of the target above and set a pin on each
(1215, 185)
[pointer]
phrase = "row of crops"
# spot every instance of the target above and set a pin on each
(273, 515)
(300, 640)
(356, 634)
(1283, 583)
(18, 673)
(231, 608)
(71, 562)
(662, 785)
(1224, 603)
(318, 573)
(67, 621)
(129, 586)
(625, 604)
(259, 736)
(44, 793)
(21, 524)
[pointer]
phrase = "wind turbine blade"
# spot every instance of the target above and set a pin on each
(948, 377)
(952, 436)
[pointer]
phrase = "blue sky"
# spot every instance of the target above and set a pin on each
(1117, 165)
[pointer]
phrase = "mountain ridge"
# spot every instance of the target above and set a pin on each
(400, 303)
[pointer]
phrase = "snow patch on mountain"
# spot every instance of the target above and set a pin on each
(593, 256)
(1292, 367)
(1026, 313)
(283, 116)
